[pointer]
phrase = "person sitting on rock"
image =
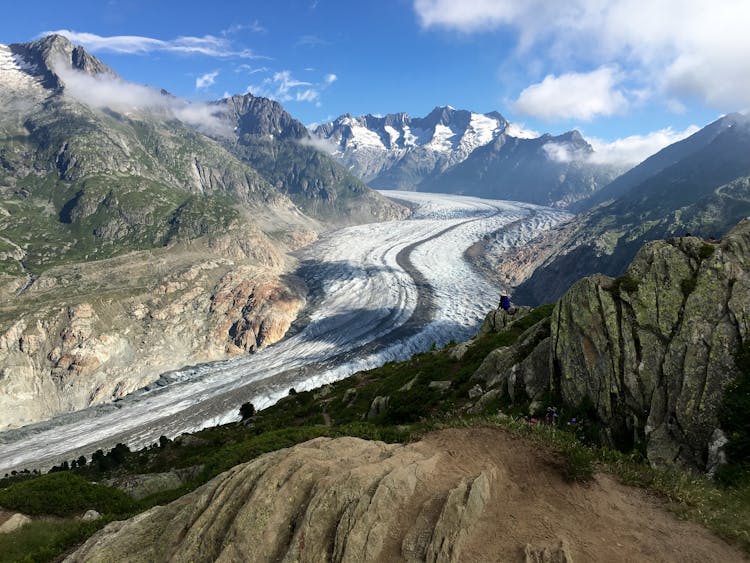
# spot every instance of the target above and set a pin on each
(505, 303)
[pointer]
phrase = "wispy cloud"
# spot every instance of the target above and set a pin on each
(106, 91)
(624, 152)
(206, 80)
(254, 27)
(283, 87)
(636, 148)
(574, 95)
(311, 41)
(208, 45)
(249, 69)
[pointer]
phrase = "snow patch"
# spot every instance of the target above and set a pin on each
(441, 139)
(362, 137)
(393, 134)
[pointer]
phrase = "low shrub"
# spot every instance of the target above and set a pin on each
(64, 494)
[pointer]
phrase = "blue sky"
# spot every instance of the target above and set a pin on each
(613, 69)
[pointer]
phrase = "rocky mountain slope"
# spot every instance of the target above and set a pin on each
(457, 151)
(282, 151)
(698, 186)
(189, 210)
(456, 495)
(398, 151)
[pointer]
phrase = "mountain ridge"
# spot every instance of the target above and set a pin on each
(194, 230)
(459, 151)
(698, 186)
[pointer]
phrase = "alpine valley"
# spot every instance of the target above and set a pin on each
(129, 234)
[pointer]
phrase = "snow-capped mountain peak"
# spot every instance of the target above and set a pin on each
(372, 145)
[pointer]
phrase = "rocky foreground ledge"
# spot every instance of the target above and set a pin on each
(457, 495)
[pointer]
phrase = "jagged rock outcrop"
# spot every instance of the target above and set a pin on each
(457, 495)
(651, 351)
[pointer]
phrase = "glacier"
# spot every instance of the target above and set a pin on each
(379, 292)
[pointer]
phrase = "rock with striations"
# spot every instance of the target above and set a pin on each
(655, 349)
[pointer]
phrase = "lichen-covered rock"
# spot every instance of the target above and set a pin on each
(90, 515)
(651, 351)
(500, 319)
(520, 371)
(378, 406)
(654, 349)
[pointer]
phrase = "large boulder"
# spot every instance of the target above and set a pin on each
(654, 350)
(13, 523)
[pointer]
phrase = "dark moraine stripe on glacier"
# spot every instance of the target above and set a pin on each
(196, 414)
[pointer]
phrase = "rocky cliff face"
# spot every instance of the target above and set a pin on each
(85, 334)
(651, 351)
(457, 495)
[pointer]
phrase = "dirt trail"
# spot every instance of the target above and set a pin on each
(533, 504)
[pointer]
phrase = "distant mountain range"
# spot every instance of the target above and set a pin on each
(462, 152)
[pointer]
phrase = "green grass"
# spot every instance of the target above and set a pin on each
(63, 494)
(45, 540)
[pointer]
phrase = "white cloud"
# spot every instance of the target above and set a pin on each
(636, 148)
(249, 69)
(106, 91)
(625, 152)
(519, 131)
(324, 145)
(574, 96)
(207, 45)
(467, 16)
(680, 48)
(254, 27)
(283, 87)
(206, 80)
